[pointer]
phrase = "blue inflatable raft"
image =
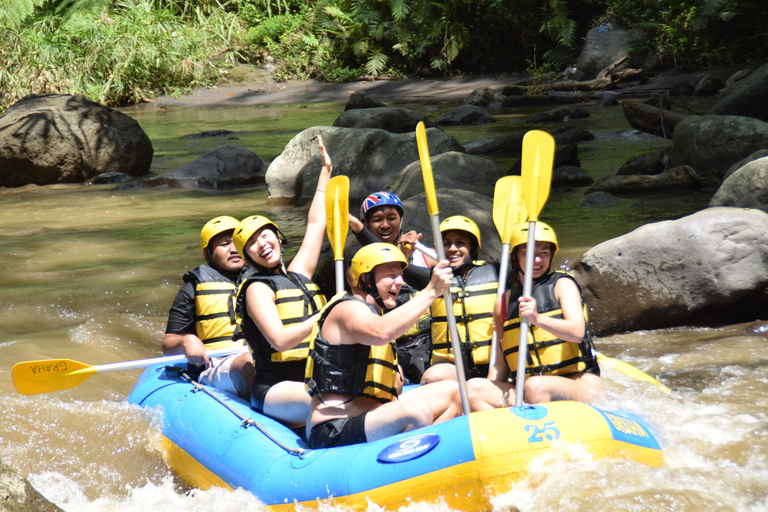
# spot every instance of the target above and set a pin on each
(212, 438)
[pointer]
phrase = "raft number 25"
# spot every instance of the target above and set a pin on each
(546, 431)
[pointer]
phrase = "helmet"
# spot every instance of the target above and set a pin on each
(544, 233)
(461, 223)
(248, 226)
(215, 226)
(380, 199)
(372, 255)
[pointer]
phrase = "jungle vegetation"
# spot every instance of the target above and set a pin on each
(121, 52)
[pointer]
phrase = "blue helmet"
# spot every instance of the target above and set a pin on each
(380, 199)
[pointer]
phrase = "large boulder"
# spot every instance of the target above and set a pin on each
(710, 268)
(484, 96)
(229, 165)
(744, 161)
(603, 46)
(358, 99)
(17, 495)
(711, 144)
(60, 138)
(745, 188)
(748, 97)
(570, 176)
(465, 115)
(651, 163)
(451, 170)
(677, 178)
(370, 157)
(391, 119)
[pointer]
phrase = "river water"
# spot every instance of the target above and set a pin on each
(88, 273)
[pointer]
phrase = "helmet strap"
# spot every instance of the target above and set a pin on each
(372, 290)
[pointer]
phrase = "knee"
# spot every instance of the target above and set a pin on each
(536, 391)
(438, 372)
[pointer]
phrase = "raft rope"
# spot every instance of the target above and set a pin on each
(245, 422)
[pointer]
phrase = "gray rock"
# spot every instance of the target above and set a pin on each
(108, 178)
(464, 116)
(371, 158)
(744, 161)
(508, 145)
(514, 90)
(708, 86)
(609, 99)
(747, 187)
(391, 119)
(483, 97)
(650, 163)
(603, 46)
(359, 99)
(683, 177)
(601, 200)
(564, 155)
(563, 114)
(60, 138)
(710, 268)
(711, 144)
(17, 495)
(748, 97)
(570, 176)
(229, 165)
(684, 88)
(570, 135)
(451, 170)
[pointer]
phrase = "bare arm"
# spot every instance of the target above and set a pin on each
(354, 224)
(569, 328)
(188, 344)
(306, 258)
(260, 303)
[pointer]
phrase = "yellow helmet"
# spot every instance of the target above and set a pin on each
(215, 226)
(247, 227)
(544, 233)
(461, 223)
(372, 255)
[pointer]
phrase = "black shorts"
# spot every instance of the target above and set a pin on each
(338, 432)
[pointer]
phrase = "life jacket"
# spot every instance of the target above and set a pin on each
(547, 354)
(350, 370)
(473, 301)
(216, 323)
(296, 297)
(421, 327)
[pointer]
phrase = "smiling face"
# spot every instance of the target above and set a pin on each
(224, 254)
(263, 248)
(389, 279)
(384, 223)
(541, 259)
(457, 246)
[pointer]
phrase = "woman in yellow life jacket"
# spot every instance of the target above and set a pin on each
(473, 293)
(352, 371)
(202, 316)
(277, 306)
(561, 360)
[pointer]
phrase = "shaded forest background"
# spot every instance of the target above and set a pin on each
(120, 52)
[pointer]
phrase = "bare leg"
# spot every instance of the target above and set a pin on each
(487, 394)
(438, 372)
(546, 388)
(288, 402)
(241, 372)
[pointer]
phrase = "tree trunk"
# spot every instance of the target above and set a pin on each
(651, 119)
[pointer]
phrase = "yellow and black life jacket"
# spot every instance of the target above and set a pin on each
(296, 297)
(547, 354)
(350, 370)
(421, 327)
(216, 323)
(473, 301)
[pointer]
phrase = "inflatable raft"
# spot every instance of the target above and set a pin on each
(212, 438)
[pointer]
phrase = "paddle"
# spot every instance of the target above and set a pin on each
(508, 212)
(337, 223)
(429, 188)
(537, 159)
(47, 375)
(630, 371)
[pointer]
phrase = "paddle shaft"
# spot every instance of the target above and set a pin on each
(503, 272)
(522, 350)
(424, 250)
(339, 264)
(145, 363)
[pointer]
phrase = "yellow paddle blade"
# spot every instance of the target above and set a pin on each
(630, 371)
(337, 213)
(508, 206)
(538, 157)
(33, 377)
(426, 169)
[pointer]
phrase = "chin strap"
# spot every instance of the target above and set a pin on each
(370, 288)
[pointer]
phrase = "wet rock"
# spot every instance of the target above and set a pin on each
(391, 119)
(228, 165)
(483, 97)
(451, 170)
(108, 178)
(708, 86)
(677, 178)
(603, 46)
(370, 157)
(211, 133)
(514, 90)
(570, 135)
(508, 145)
(17, 495)
(683, 88)
(744, 161)
(563, 114)
(712, 143)
(748, 97)
(359, 99)
(651, 163)
(609, 99)
(465, 115)
(570, 176)
(708, 269)
(601, 200)
(747, 187)
(732, 80)
(564, 155)
(60, 138)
